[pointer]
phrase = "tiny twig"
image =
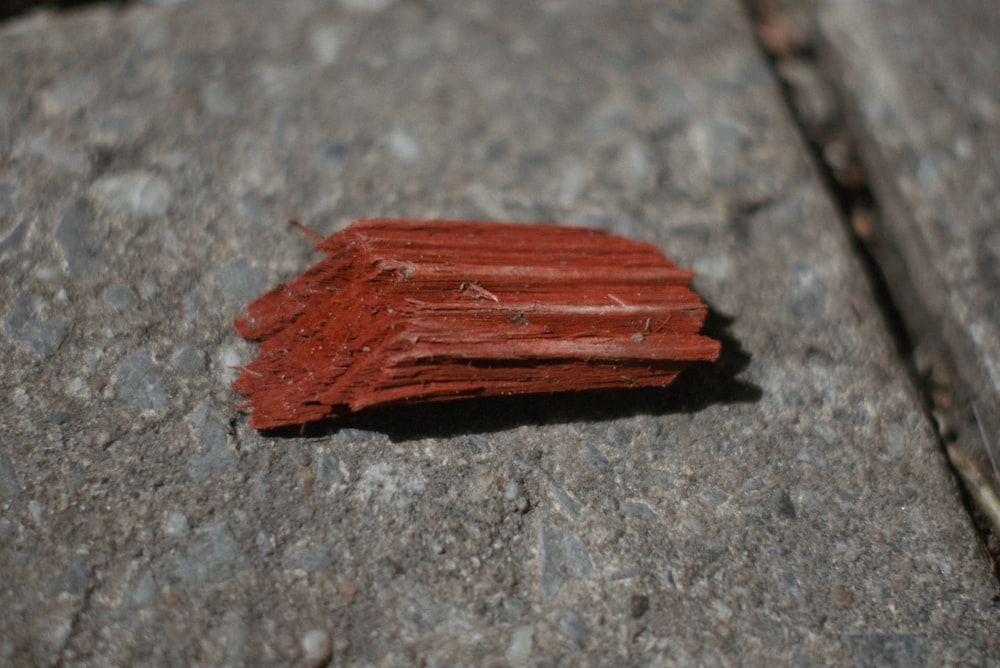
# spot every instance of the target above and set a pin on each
(986, 441)
(306, 231)
(978, 485)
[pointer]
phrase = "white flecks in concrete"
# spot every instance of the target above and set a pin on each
(366, 5)
(64, 97)
(402, 145)
(136, 193)
(176, 525)
(572, 180)
(519, 650)
(316, 647)
(324, 43)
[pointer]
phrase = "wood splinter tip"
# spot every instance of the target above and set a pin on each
(315, 238)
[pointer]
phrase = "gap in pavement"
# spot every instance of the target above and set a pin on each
(13, 8)
(787, 36)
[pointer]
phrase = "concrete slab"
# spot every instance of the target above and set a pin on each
(921, 83)
(788, 505)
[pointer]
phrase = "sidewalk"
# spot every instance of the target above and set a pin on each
(923, 98)
(788, 505)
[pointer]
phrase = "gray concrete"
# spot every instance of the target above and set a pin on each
(787, 505)
(923, 87)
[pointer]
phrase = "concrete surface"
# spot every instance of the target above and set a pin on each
(788, 505)
(923, 89)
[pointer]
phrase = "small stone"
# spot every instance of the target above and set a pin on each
(218, 100)
(10, 488)
(265, 543)
(886, 649)
(213, 557)
(13, 240)
(26, 323)
(75, 579)
(242, 281)
(176, 525)
(480, 445)
(328, 473)
(403, 146)
(58, 417)
(325, 44)
(68, 96)
(806, 299)
(638, 510)
(389, 485)
(57, 155)
(593, 456)
(213, 454)
(350, 435)
(190, 359)
(317, 648)
(419, 612)
(564, 501)
(366, 5)
(114, 129)
(138, 193)
(513, 607)
(572, 627)
(36, 510)
(79, 238)
(254, 209)
(145, 591)
(335, 154)
(138, 385)
(564, 558)
(306, 557)
(637, 167)
(519, 650)
(572, 181)
(118, 297)
(727, 141)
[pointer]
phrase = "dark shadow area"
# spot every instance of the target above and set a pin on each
(11, 8)
(700, 385)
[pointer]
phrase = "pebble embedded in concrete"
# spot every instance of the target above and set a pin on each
(213, 454)
(212, 557)
(138, 385)
(317, 648)
(10, 488)
(119, 297)
(141, 194)
(176, 525)
(29, 324)
(242, 281)
(572, 627)
(564, 558)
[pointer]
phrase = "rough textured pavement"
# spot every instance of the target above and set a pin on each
(788, 505)
(924, 93)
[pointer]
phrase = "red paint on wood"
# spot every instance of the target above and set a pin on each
(410, 310)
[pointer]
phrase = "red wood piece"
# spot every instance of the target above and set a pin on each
(429, 310)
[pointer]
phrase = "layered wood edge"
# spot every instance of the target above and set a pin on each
(430, 310)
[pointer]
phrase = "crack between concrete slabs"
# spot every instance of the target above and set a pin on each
(834, 152)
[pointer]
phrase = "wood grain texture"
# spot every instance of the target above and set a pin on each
(409, 310)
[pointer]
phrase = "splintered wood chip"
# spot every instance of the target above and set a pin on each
(432, 310)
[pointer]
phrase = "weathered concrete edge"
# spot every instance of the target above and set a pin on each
(921, 297)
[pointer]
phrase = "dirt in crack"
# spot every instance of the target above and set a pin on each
(787, 35)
